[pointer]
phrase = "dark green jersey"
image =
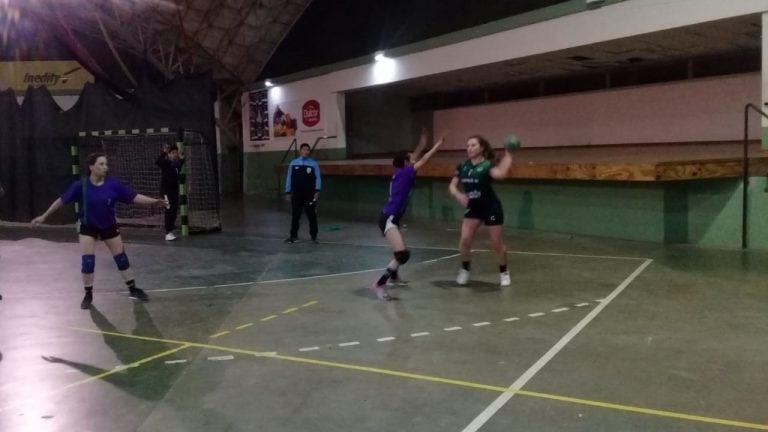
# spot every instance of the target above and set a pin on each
(476, 180)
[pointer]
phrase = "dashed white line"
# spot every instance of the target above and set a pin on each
(386, 339)
(420, 334)
(314, 348)
(221, 358)
(562, 309)
(452, 328)
(511, 319)
(346, 344)
(175, 361)
(537, 314)
(480, 324)
(582, 304)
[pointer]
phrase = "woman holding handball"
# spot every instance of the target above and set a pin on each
(480, 201)
(97, 195)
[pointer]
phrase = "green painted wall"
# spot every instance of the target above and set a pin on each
(259, 177)
(703, 212)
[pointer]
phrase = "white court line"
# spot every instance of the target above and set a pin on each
(536, 314)
(511, 319)
(346, 344)
(419, 334)
(175, 361)
(314, 348)
(452, 328)
(221, 358)
(385, 339)
(582, 304)
(500, 401)
(378, 269)
(480, 324)
(562, 309)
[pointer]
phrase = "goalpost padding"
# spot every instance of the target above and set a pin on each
(131, 157)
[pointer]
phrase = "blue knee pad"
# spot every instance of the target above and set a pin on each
(88, 264)
(121, 260)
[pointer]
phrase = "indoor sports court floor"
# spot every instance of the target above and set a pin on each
(246, 333)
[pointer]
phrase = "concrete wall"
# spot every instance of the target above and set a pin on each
(709, 109)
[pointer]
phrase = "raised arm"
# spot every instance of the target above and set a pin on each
(420, 162)
(501, 170)
(419, 147)
(54, 206)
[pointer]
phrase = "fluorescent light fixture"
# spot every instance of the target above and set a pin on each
(379, 57)
(268, 83)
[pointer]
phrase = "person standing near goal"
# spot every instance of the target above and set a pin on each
(302, 189)
(170, 163)
(96, 195)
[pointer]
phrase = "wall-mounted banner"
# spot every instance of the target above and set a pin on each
(258, 115)
(311, 116)
(60, 77)
(284, 122)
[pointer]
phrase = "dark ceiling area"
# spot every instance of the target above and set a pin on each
(330, 31)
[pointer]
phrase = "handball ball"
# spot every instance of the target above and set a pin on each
(511, 142)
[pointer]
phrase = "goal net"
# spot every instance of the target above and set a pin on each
(131, 158)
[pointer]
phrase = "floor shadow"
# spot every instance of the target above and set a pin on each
(477, 286)
(151, 380)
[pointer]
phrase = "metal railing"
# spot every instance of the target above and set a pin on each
(745, 171)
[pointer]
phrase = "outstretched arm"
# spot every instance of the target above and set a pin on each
(420, 162)
(145, 200)
(419, 147)
(40, 219)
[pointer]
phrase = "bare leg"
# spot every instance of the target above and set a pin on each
(497, 242)
(468, 229)
(116, 247)
(87, 247)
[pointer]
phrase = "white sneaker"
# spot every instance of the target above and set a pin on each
(397, 282)
(505, 279)
(463, 277)
(170, 236)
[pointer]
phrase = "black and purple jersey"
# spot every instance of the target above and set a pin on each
(400, 190)
(100, 206)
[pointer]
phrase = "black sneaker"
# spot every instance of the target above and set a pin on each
(87, 300)
(138, 294)
(290, 240)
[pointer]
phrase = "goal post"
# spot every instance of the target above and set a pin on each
(132, 156)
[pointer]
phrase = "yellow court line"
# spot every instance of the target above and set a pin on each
(220, 334)
(269, 318)
(309, 304)
(460, 383)
(243, 326)
(289, 310)
(137, 363)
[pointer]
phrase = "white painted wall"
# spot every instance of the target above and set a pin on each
(619, 20)
(702, 110)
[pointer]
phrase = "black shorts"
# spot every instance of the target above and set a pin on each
(490, 213)
(100, 234)
(386, 222)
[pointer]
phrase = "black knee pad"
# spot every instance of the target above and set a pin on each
(121, 260)
(402, 256)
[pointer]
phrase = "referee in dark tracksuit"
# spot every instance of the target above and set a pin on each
(302, 187)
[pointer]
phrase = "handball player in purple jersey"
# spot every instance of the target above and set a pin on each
(96, 195)
(406, 164)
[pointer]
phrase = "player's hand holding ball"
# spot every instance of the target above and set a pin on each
(511, 143)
